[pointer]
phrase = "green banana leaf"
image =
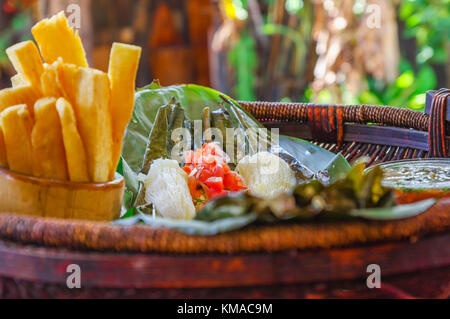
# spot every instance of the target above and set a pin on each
(225, 220)
(396, 212)
(316, 158)
(191, 227)
(193, 99)
(179, 105)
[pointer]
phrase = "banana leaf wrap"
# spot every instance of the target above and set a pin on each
(145, 127)
(159, 111)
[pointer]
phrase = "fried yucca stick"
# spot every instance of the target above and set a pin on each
(17, 80)
(27, 61)
(3, 158)
(68, 75)
(75, 153)
(17, 124)
(49, 156)
(18, 95)
(123, 65)
(56, 39)
(92, 98)
(50, 81)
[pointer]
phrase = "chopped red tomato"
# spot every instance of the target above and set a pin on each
(215, 183)
(226, 169)
(187, 169)
(233, 182)
(209, 174)
(194, 187)
(218, 170)
(203, 174)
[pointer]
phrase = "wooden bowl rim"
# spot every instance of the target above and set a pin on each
(118, 181)
(431, 159)
(409, 160)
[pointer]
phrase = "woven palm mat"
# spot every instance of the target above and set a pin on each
(106, 237)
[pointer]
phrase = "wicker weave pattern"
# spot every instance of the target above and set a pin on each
(298, 112)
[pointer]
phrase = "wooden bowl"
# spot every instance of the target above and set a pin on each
(23, 194)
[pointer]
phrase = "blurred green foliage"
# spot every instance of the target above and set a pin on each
(243, 56)
(425, 21)
(428, 22)
(16, 31)
(408, 90)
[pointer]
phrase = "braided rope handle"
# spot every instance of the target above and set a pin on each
(327, 120)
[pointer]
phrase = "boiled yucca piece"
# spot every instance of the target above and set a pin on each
(266, 175)
(166, 187)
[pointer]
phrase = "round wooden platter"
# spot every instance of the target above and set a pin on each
(101, 236)
(176, 273)
(160, 263)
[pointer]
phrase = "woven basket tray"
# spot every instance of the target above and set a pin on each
(394, 134)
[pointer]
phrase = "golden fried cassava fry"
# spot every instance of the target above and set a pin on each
(56, 39)
(17, 124)
(27, 61)
(49, 156)
(3, 158)
(50, 81)
(88, 92)
(68, 75)
(75, 153)
(92, 98)
(60, 79)
(123, 65)
(18, 95)
(17, 80)
(79, 114)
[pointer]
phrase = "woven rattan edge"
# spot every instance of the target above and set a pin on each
(97, 236)
(379, 114)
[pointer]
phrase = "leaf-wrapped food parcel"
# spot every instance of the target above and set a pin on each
(167, 189)
(342, 199)
(357, 190)
(160, 142)
(209, 108)
(266, 175)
